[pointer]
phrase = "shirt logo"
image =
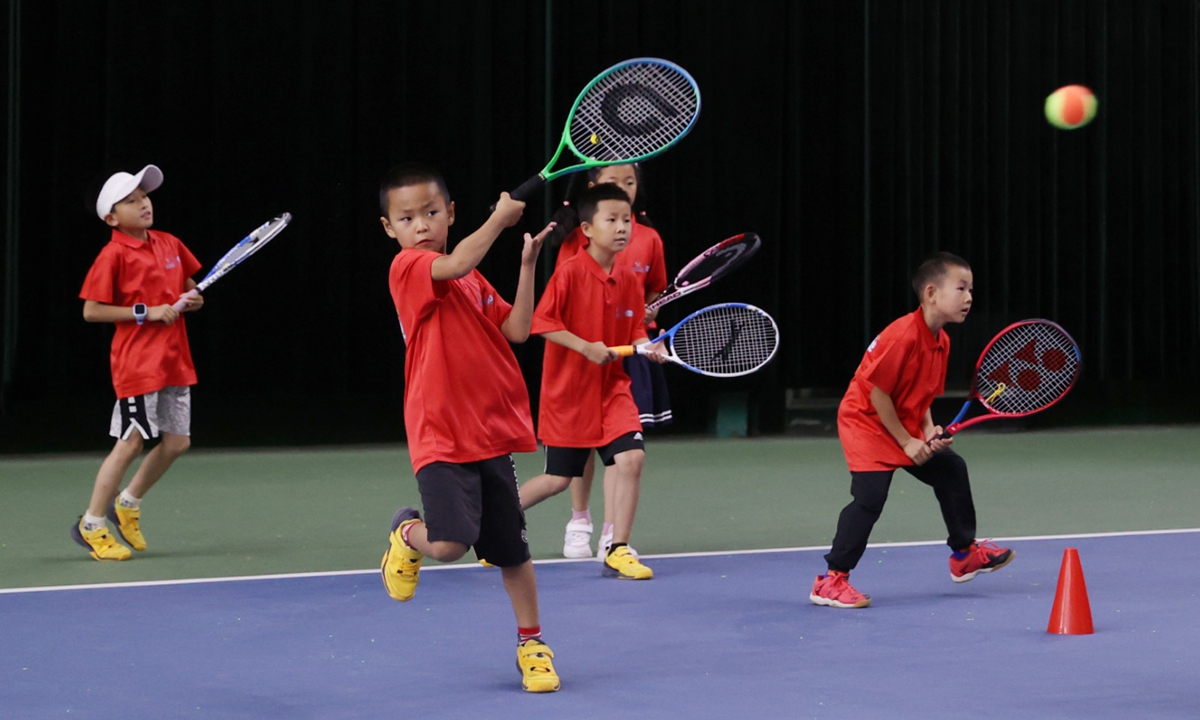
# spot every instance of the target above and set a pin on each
(871, 347)
(628, 313)
(170, 263)
(638, 267)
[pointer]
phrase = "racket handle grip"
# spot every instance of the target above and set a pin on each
(625, 350)
(525, 190)
(182, 302)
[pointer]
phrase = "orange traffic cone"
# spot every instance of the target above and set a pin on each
(1072, 615)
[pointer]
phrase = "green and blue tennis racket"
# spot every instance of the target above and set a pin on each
(631, 112)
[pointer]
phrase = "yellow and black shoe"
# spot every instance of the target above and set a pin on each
(401, 567)
(623, 564)
(128, 526)
(534, 660)
(99, 542)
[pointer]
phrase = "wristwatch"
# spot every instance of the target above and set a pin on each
(139, 312)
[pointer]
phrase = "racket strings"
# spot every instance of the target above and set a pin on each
(1036, 362)
(715, 264)
(727, 340)
(634, 111)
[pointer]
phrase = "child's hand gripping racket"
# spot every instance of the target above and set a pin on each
(244, 249)
(712, 264)
(630, 112)
(1025, 369)
(724, 340)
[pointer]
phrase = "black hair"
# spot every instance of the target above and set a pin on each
(567, 218)
(407, 174)
(589, 202)
(934, 268)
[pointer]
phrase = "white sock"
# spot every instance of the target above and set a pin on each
(91, 522)
(128, 500)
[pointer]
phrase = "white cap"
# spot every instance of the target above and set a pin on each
(119, 186)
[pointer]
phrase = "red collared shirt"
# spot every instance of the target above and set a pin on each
(908, 362)
(464, 395)
(148, 357)
(584, 404)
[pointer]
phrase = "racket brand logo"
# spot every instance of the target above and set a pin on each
(635, 110)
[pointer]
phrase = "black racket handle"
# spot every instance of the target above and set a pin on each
(525, 190)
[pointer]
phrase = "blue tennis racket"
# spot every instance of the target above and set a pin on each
(249, 245)
(725, 340)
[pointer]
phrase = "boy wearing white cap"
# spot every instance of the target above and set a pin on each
(133, 283)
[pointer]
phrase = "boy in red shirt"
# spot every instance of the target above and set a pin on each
(592, 303)
(466, 409)
(644, 257)
(884, 423)
(134, 281)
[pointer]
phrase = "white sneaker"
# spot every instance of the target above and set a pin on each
(605, 543)
(578, 540)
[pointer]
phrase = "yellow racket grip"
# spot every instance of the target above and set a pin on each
(625, 350)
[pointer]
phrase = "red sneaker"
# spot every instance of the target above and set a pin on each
(982, 557)
(834, 589)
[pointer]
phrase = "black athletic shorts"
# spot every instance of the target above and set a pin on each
(569, 462)
(477, 505)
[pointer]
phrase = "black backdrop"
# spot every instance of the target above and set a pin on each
(855, 137)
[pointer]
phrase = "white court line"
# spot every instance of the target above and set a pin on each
(555, 561)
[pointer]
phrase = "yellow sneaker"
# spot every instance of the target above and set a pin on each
(99, 542)
(401, 567)
(621, 563)
(126, 520)
(486, 564)
(537, 671)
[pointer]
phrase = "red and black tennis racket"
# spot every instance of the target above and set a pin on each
(709, 266)
(1028, 367)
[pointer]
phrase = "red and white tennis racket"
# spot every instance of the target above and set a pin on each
(708, 267)
(1028, 367)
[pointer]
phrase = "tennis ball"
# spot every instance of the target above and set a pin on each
(1071, 107)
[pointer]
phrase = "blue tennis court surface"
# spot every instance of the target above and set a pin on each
(713, 636)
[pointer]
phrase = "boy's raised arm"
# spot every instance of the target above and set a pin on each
(468, 253)
(516, 326)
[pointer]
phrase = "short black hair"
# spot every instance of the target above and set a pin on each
(407, 174)
(934, 268)
(589, 200)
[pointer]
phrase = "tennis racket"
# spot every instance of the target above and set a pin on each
(715, 262)
(631, 112)
(724, 340)
(244, 249)
(1025, 369)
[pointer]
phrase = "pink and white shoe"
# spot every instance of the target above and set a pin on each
(834, 590)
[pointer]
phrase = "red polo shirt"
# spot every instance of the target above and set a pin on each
(643, 255)
(584, 404)
(464, 395)
(908, 363)
(148, 357)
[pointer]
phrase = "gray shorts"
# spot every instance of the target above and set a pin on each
(168, 410)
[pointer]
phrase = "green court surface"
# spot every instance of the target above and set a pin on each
(226, 513)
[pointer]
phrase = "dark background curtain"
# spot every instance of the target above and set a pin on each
(855, 137)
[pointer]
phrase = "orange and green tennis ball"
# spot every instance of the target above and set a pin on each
(1071, 107)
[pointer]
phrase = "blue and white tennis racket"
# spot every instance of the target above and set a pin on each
(725, 340)
(249, 245)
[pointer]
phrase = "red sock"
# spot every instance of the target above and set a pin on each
(532, 633)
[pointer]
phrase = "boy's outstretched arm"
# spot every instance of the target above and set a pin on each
(516, 326)
(597, 352)
(468, 253)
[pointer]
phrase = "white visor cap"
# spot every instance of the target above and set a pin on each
(119, 186)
